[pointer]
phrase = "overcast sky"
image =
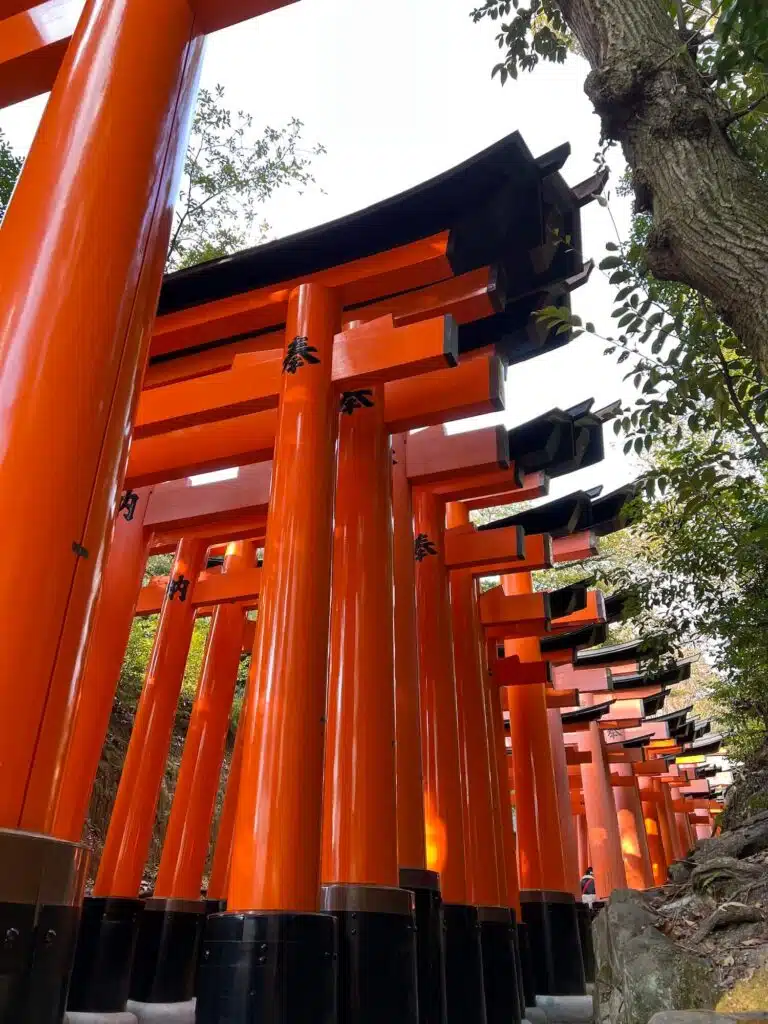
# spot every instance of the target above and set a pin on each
(397, 93)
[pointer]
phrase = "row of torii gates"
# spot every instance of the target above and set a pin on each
(422, 768)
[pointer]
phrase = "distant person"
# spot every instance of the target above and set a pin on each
(588, 891)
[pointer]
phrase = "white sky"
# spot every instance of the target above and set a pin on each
(399, 92)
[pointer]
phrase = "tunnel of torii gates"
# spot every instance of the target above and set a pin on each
(421, 770)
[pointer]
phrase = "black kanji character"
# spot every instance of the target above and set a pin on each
(178, 586)
(128, 504)
(299, 352)
(423, 547)
(351, 400)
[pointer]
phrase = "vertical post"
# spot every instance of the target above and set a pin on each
(634, 844)
(667, 822)
(475, 745)
(440, 750)
(70, 784)
(133, 816)
(275, 885)
(582, 836)
(83, 246)
(185, 848)
(218, 883)
(653, 829)
(604, 839)
(567, 824)
(359, 867)
(411, 840)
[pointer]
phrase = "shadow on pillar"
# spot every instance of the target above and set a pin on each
(41, 893)
(377, 953)
(430, 943)
(528, 979)
(500, 976)
(553, 930)
(268, 968)
(464, 982)
(167, 951)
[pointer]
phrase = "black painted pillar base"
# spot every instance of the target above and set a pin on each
(165, 961)
(41, 892)
(106, 942)
(464, 981)
(430, 943)
(215, 907)
(268, 968)
(502, 998)
(584, 915)
(553, 930)
(377, 953)
(526, 965)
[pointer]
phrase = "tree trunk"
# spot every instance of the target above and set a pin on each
(710, 211)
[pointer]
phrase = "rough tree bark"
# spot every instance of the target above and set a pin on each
(710, 211)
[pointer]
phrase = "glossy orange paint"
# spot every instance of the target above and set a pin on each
(659, 865)
(397, 270)
(359, 814)
(604, 838)
(213, 15)
(185, 848)
(133, 816)
(439, 725)
(411, 838)
(433, 455)
(240, 586)
(60, 786)
(475, 744)
(572, 873)
(535, 485)
(508, 836)
(634, 842)
(218, 883)
(32, 45)
(277, 844)
(83, 245)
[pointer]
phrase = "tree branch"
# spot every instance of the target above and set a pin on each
(742, 412)
(737, 114)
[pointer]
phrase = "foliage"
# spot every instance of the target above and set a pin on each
(10, 166)
(229, 171)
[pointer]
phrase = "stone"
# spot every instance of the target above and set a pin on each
(77, 1017)
(680, 871)
(748, 839)
(566, 1009)
(163, 1013)
(535, 1015)
(703, 1017)
(639, 971)
(748, 996)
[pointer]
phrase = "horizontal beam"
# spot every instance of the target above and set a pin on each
(211, 588)
(537, 554)
(434, 456)
(535, 485)
(468, 548)
(32, 46)
(441, 396)
(513, 672)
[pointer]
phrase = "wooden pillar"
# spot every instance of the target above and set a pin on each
(582, 838)
(571, 862)
(82, 247)
(439, 729)
(634, 844)
(187, 837)
(652, 829)
(360, 819)
(218, 883)
(65, 789)
(483, 884)
(411, 840)
(604, 839)
(133, 816)
(277, 848)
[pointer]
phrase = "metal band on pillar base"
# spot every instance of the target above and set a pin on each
(526, 964)
(584, 915)
(41, 893)
(106, 941)
(268, 968)
(502, 1000)
(377, 953)
(553, 931)
(165, 961)
(464, 983)
(430, 942)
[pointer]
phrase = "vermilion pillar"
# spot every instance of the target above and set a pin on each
(483, 886)
(276, 856)
(274, 884)
(582, 837)
(439, 728)
(667, 823)
(442, 772)
(634, 843)
(186, 839)
(218, 883)
(652, 829)
(411, 840)
(82, 249)
(60, 788)
(359, 865)
(571, 863)
(133, 816)
(604, 838)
